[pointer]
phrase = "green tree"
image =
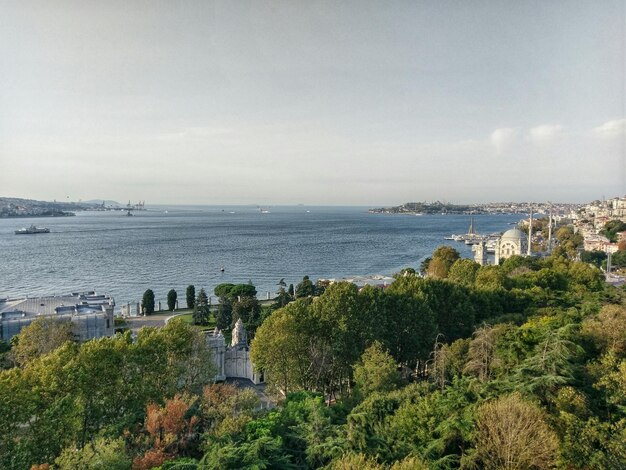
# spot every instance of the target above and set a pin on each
(201, 312)
(147, 302)
(224, 314)
(553, 362)
(569, 242)
(593, 257)
(463, 271)
(305, 288)
(411, 324)
(607, 329)
(452, 305)
(172, 296)
(282, 296)
(190, 293)
(242, 290)
(101, 454)
(249, 310)
(376, 371)
(611, 229)
(424, 265)
(285, 348)
(442, 260)
(42, 336)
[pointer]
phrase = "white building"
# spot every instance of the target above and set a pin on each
(512, 242)
(91, 314)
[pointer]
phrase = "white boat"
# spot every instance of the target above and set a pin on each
(32, 230)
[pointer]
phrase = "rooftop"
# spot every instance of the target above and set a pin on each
(75, 303)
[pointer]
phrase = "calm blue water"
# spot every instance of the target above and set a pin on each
(124, 256)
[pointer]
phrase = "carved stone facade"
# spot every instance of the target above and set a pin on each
(234, 361)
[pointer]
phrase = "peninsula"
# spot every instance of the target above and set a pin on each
(438, 207)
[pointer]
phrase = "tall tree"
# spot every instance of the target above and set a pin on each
(40, 337)
(305, 288)
(224, 314)
(172, 296)
(249, 310)
(442, 260)
(148, 302)
(190, 293)
(376, 371)
(201, 310)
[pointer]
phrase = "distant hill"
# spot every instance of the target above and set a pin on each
(18, 207)
(107, 202)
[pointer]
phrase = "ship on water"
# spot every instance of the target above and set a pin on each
(32, 230)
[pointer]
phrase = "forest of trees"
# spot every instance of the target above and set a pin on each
(517, 366)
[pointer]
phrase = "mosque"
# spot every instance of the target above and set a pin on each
(233, 361)
(512, 242)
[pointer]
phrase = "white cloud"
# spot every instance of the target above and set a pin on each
(614, 128)
(504, 137)
(545, 133)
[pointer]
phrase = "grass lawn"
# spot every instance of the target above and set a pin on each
(188, 317)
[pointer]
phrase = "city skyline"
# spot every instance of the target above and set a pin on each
(312, 103)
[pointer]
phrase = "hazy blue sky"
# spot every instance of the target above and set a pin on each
(312, 102)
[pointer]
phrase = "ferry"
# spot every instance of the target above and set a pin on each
(31, 230)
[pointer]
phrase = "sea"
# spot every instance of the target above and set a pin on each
(170, 247)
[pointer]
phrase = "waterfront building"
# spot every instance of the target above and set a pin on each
(512, 242)
(91, 314)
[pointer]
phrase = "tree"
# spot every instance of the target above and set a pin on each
(463, 271)
(147, 302)
(611, 229)
(201, 310)
(224, 314)
(240, 291)
(513, 434)
(171, 429)
(249, 310)
(284, 347)
(40, 337)
(101, 454)
(452, 305)
(172, 296)
(191, 296)
(607, 330)
(305, 288)
(376, 371)
(411, 326)
(442, 260)
(594, 257)
(481, 354)
(224, 290)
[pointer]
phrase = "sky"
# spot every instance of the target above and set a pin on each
(312, 102)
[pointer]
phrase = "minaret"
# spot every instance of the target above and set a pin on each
(550, 231)
(530, 231)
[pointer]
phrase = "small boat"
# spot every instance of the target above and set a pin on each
(222, 269)
(32, 230)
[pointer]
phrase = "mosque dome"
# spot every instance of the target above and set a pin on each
(513, 234)
(512, 242)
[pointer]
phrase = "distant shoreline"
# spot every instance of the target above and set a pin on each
(28, 216)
